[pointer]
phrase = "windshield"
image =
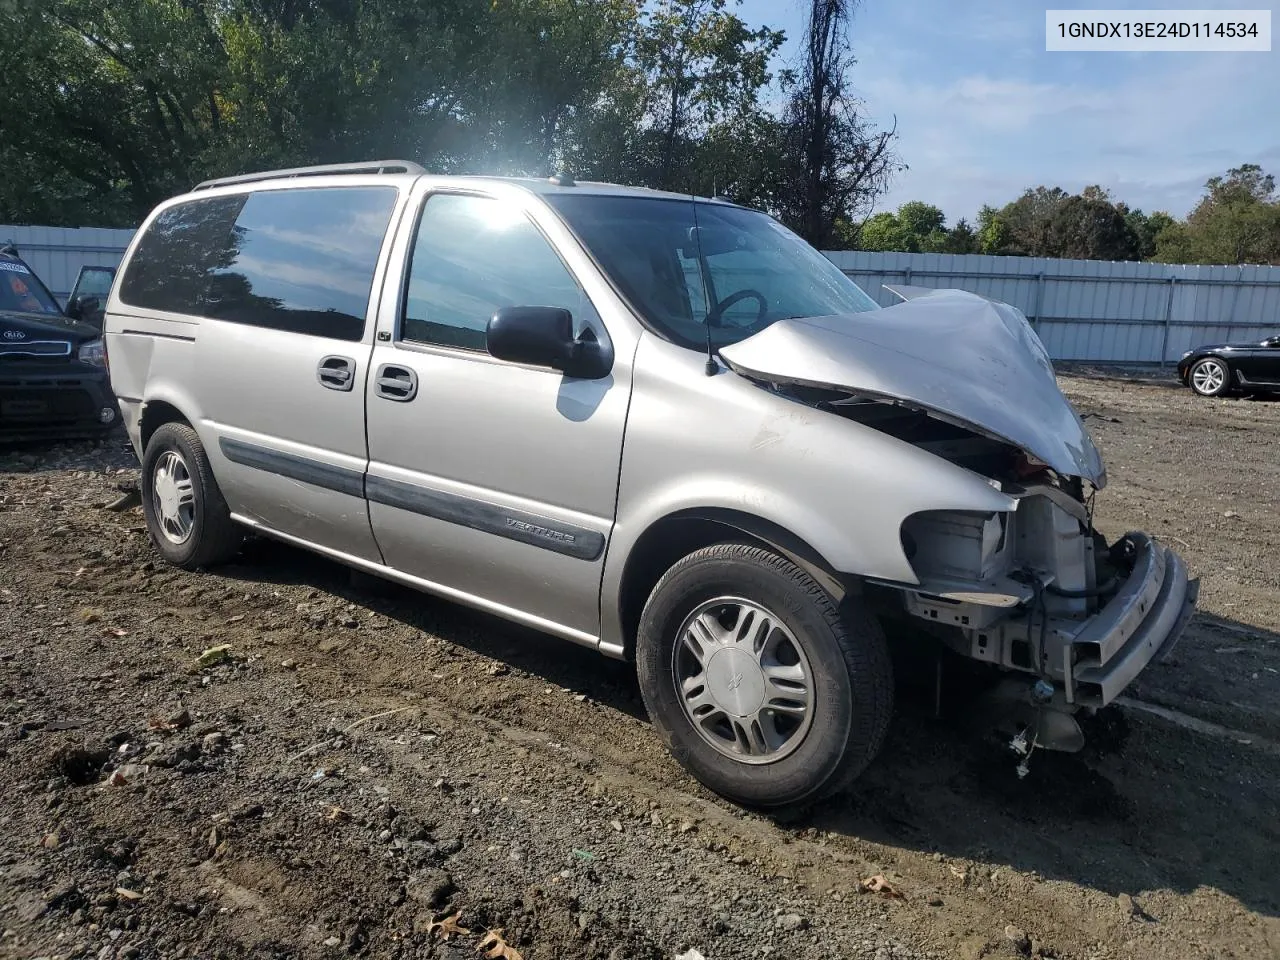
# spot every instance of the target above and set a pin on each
(688, 266)
(21, 290)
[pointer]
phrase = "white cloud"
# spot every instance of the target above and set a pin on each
(1152, 136)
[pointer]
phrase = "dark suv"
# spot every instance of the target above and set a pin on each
(53, 367)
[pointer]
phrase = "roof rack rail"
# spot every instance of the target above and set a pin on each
(373, 166)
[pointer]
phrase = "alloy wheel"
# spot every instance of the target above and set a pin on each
(1208, 377)
(743, 680)
(173, 497)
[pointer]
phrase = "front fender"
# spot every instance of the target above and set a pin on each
(698, 443)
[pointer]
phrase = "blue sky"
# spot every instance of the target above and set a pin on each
(984, 111)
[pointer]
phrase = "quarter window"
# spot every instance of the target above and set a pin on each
(472, 256)
(170, 268)
(295, 260)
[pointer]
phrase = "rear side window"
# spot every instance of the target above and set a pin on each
(295, 260)
(170, 268)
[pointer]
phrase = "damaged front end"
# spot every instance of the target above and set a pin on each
(1035, 592)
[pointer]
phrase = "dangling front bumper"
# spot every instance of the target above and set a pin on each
(1140, 625)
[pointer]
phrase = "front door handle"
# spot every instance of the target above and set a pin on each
(337, 373)
(396, 383)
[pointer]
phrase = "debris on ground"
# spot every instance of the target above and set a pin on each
(448, 926)
(213, 656)
(878, 884)
(493, 947)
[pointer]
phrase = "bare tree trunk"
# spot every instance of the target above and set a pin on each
(673, 128)
(838, 166)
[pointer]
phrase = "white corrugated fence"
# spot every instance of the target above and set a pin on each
(1093, 310)
(1110, 312)
(56, 254)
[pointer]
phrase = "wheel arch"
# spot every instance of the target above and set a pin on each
(678, 534)
(155, 414)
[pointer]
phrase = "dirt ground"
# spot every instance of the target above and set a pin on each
(368, 760)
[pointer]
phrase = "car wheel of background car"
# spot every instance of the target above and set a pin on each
(186, 515)
(1209, 378)
(761, 685)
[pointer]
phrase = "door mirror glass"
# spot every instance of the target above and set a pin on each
(543, 337)
(86, 309)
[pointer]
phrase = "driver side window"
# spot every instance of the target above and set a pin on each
(473, 255)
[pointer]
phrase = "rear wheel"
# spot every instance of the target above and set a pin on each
(188, 520)
(763, 688)
(1210, 377)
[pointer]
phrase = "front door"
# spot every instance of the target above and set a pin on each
(88, 298)
(1266, 362)
(493, 481)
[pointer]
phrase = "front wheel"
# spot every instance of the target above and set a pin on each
(1209, 377)
(763, 688)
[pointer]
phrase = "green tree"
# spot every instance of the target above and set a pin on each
(113, 105)
(961, 239)
(925, 224)
(1049, 222)
(140, 98)
(993, 232)
(1236, 221)
(1146, 230)
(696, 67)
(884, 232)
(1089, 227)
(916, 228)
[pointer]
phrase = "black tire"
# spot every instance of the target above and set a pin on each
(1202, 365)
(852, 677)
(214, 537)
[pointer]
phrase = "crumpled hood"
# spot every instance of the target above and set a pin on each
(973, 361)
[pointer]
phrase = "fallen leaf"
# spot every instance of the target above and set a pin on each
(496, 948)
(128, 894)
(448, 926)
(878, 884)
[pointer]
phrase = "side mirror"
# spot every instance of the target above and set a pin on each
(543, 337)
(84, 308)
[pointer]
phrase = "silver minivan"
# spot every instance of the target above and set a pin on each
(660, 426)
